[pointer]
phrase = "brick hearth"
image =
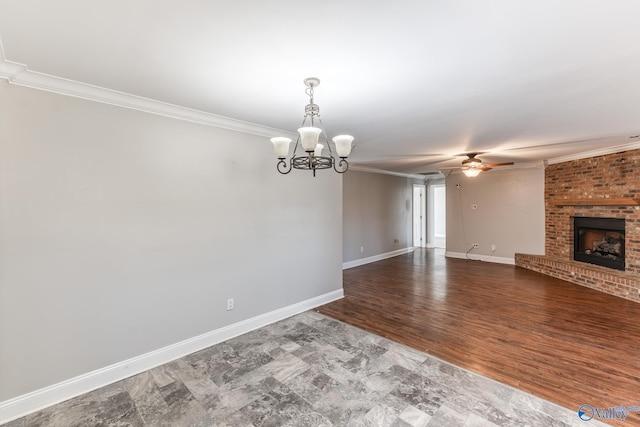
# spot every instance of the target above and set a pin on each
(606, 187)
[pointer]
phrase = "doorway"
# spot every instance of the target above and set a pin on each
(437, 216)
(419, 225)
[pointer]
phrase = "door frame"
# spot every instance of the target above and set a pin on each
(419, 216)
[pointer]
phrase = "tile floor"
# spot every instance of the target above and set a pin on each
(308, 370)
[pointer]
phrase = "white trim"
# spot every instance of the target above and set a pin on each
(475, 257)
(20, 75)
(22, 405)
(374, 258)
(538, 164)
(419, 223)
(595, 153)
(9, 69)
(355, 167)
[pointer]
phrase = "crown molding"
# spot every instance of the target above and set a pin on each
(9, 69)
(595, 153)
(444, 172)
(355, 167)
(538, 164)
(20, 75)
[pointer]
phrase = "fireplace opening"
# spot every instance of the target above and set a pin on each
(599, 241)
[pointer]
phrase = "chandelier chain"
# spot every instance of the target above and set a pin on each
(309, 92)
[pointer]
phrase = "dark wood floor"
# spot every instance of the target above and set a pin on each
(562, 342)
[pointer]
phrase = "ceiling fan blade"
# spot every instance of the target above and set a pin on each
(484, 168)
(493, 165)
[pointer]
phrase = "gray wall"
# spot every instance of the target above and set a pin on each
(123, 232)
(376, 211)
(510, 212)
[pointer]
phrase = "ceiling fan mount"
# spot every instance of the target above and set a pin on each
(471, 160)
(472, 166)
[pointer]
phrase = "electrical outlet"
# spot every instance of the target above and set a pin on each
(361, 249)
(396, 240)
(230, 304)
(476, 245)
(493, 247)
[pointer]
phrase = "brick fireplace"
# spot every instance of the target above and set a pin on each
(606, 186)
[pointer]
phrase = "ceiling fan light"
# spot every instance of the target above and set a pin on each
(309, 137)
(281, 146)
(471, 172)
(343, 145)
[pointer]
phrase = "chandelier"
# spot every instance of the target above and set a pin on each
(309, 137)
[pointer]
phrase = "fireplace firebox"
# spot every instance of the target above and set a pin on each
(599, 241)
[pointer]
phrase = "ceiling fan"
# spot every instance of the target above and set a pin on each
(472, 166)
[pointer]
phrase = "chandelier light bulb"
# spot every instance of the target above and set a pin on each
(343, 145)
(309, 137)
(281, 146)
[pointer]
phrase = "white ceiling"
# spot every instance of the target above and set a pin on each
(417, 82)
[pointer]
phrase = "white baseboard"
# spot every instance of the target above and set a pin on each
(362, 261)
(475, 257)
(56, 393)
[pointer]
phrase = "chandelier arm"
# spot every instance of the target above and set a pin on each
(326, 136)
(282, 166)
(295, 147)
(343, 164)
